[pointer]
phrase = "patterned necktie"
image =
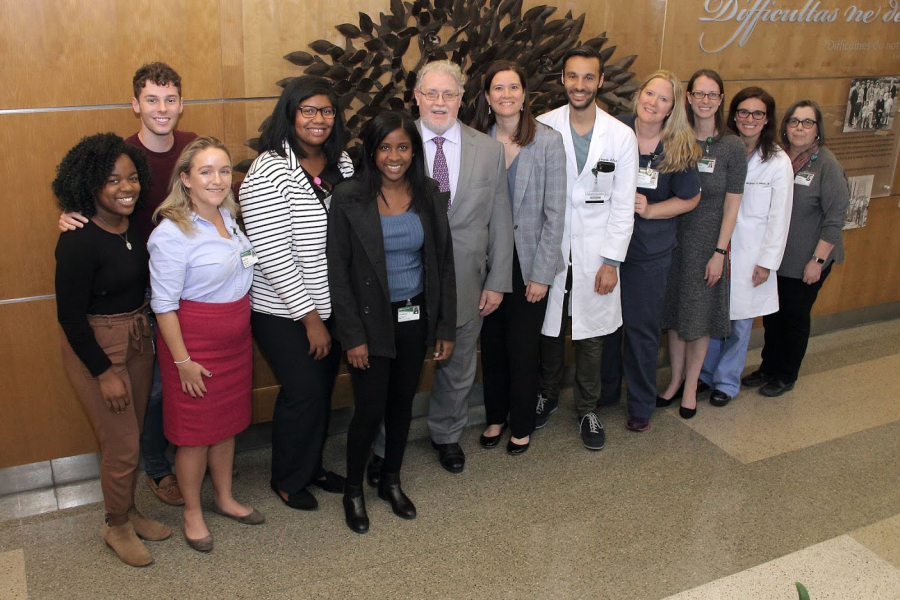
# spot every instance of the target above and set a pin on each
(440, 171)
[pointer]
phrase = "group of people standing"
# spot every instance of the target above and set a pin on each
(669, 218)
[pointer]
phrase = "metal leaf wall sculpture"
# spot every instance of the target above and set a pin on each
(369, 74)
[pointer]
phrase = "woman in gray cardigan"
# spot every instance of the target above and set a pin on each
(536, 177)
(814, 243)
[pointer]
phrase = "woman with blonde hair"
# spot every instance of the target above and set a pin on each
(200, 273)
(668, 186)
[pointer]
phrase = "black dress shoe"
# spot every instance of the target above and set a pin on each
(757, 378)
(775, 388)
(330, 482)
(492, 441)
(389, 489)
(687, 413)
(355, 508)
(517, 449)
(719, 398)
(451, 456)
(373, 471)
(701, 386)
(664, 402)
(301, 500)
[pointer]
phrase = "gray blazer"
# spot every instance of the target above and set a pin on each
(480, 223)
(539, 206)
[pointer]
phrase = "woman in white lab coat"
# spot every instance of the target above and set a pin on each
(760, 234)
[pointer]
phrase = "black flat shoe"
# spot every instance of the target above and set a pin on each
(719, 398)
(302, 500)
(757, 378)
(373, 471)
(775, 388)
(664, 402)
(687, 413)
(492, 441)
(331, 482)
(355, 509)
(451, 456)
(389, 490)
(517, 449)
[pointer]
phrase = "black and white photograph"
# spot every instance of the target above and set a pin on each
(860, 194)
(871, 103)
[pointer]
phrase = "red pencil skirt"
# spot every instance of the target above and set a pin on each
(216, 336)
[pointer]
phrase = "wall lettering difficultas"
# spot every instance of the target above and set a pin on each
(756, 12)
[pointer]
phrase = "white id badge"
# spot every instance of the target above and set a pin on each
(601, 191)
(804, 178)
(647, 178)
(408, 313)
(249, 258)
(706, 165)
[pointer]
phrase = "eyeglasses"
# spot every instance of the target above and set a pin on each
(795, 123)
(309, 112)
(758, 115)
(701, 95)
(432, 95)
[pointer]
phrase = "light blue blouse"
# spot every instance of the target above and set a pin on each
(202, 267)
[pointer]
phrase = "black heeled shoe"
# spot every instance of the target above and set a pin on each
(664, 402)
(687, 413)
(355, 508)
(389, 490)
(492, 441)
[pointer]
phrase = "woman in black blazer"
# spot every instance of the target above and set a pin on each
(393, 292)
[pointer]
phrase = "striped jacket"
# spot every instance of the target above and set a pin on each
(287, 226)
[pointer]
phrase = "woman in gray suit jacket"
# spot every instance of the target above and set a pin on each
(393, 291)
(536, 177)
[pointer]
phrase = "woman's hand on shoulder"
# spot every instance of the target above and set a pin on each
(359, 357)
(70, 221)
(443, 349)
(113, 390)
(191, 374)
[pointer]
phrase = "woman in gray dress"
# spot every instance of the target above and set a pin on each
(697, 294)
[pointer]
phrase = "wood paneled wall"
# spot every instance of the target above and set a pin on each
(67, 73)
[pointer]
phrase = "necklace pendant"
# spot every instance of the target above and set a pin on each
(128, 245)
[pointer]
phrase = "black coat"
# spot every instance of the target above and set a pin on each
(357, 273)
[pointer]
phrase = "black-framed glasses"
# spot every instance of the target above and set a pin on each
(432, 95)
(711, 95)
(758, 115)
(795, 123)
(309, 112)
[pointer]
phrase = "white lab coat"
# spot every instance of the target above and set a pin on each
(593, 231)
(760, 234)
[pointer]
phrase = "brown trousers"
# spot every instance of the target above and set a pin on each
(126, 339)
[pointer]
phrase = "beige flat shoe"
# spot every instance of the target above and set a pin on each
(148, 528)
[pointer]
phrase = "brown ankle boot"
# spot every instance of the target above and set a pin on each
(124, 542)
(148, 528)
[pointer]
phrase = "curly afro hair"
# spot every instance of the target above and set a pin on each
(85, 168)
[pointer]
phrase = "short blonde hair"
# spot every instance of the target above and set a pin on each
(177, 205)
(680, 148)
(442, 66)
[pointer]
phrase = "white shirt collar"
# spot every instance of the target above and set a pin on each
(452, 135)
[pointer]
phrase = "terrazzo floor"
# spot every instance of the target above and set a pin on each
(739, 503)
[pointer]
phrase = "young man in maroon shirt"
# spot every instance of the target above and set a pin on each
(157, 101)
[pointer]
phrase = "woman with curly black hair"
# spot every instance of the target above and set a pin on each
(101, 274)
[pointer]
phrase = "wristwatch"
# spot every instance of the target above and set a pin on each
(821, 261)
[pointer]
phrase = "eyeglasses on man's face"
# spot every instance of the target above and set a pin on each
(432, 95)
(701, 95)
(309, 112)
(795, 123)
(758, 115)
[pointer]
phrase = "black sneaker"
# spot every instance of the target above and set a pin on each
(545, 408)
(592, 435)
(757, 378)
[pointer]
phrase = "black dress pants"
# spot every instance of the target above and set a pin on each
(510, 358)
(787, 331)
(303, 406)
(385, 391)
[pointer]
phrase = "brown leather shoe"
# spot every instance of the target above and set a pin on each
(167, 490)
(126, 545)
(148, 528)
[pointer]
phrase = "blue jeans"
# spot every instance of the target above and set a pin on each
(725, 359)
(153, 440)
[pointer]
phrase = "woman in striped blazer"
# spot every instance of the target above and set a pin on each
(284, 200)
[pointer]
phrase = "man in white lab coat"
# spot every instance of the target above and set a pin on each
(601, 170)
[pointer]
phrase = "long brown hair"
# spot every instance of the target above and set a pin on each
(680, 149)
(484, 119)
